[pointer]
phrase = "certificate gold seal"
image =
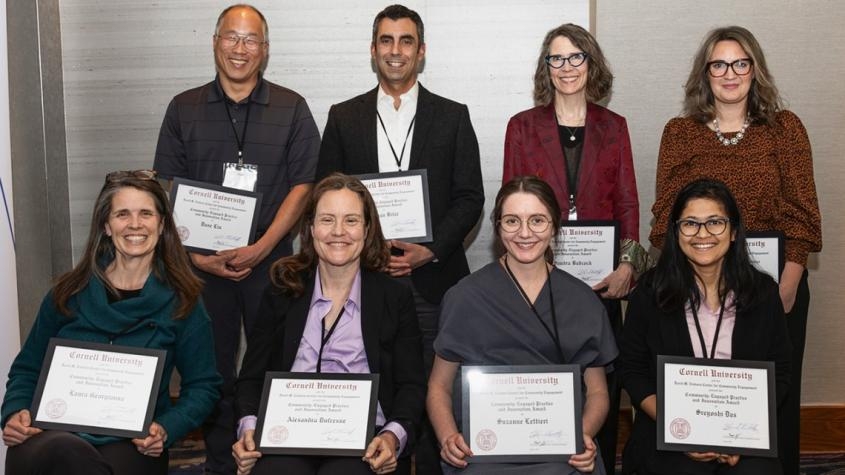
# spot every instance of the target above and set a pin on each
(486, 440)
(278, 434)
(184, 233)
(679, 428)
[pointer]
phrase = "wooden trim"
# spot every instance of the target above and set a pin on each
(822, 428)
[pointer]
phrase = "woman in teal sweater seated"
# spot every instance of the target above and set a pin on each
(132, 287)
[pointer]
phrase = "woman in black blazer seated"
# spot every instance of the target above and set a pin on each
(336, 278)
(704, 299)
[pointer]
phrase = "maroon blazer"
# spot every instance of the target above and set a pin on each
(607, 187)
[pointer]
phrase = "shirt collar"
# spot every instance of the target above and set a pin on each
(260, 95)
(408, 97)
(354, 292)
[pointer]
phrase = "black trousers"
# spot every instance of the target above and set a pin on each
(426, 451)
(746, 466)
(63, 453)
(315, 465)
(607, 435)
(789, 416)
(229, 304)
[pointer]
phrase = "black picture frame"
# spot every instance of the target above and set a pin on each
(175, 196)
(37, 399)
(325, 377)
(577, 397)
(662, 444)
(423, 173)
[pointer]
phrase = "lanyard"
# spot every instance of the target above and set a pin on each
(572, 180)
(398, 159)
(239, 139)
(326, 337)
(554, 336)
(701, 334)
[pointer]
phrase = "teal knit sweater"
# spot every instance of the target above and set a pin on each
(143, 321)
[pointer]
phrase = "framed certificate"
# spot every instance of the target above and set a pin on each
(589, 250)
(522, 413)
(317, 413)
(402, 202)
(725, 406)
(97, 388)
(766, 251)
(212, 218)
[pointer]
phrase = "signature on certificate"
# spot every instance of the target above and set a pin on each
(741, 431)
(546, 438)
(402, 226)
(340, 434)
(117, 415)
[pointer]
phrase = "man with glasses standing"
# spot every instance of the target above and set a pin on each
(399, 126)
(245, 132)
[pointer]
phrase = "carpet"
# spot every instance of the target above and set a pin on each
(187, 458)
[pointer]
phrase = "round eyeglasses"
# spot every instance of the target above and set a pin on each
(557, 61)
(231, 40)
(719, 68)
(714, 226)
(537, 223)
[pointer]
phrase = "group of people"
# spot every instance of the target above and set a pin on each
(350, 301)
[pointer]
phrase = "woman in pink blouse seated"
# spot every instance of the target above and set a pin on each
(703, 299)
(330, 309)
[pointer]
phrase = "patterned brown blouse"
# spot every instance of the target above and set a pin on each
(770, 172)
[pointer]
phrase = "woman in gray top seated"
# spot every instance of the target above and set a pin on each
(521, 310)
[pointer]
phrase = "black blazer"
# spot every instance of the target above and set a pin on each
(445, 145)
(391, 339)
(759, 335)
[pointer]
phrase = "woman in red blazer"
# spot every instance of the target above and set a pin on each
(583, 151)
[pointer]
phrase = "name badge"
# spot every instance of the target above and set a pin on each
(241, 177)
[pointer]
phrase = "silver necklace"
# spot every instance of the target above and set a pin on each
(736, 138)
(572, 137)
(571, 132)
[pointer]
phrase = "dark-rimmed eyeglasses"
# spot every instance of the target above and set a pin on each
(140, 174)
(557, 61)
(537, 223)
(691, 227)
(719, 68)
(231, 40)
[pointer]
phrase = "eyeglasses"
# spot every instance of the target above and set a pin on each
(714, 226)
(536, 223)
(230, 41)
(557, 61)
(719, 68)
(140, 174)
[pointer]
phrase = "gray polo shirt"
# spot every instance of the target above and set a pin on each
(197, 137)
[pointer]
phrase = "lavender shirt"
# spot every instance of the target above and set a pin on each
(343, 353)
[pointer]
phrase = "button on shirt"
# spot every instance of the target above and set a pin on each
(708, 318)
(396, 122)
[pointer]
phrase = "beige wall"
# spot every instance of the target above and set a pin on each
(650, 46)
(123, 60)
